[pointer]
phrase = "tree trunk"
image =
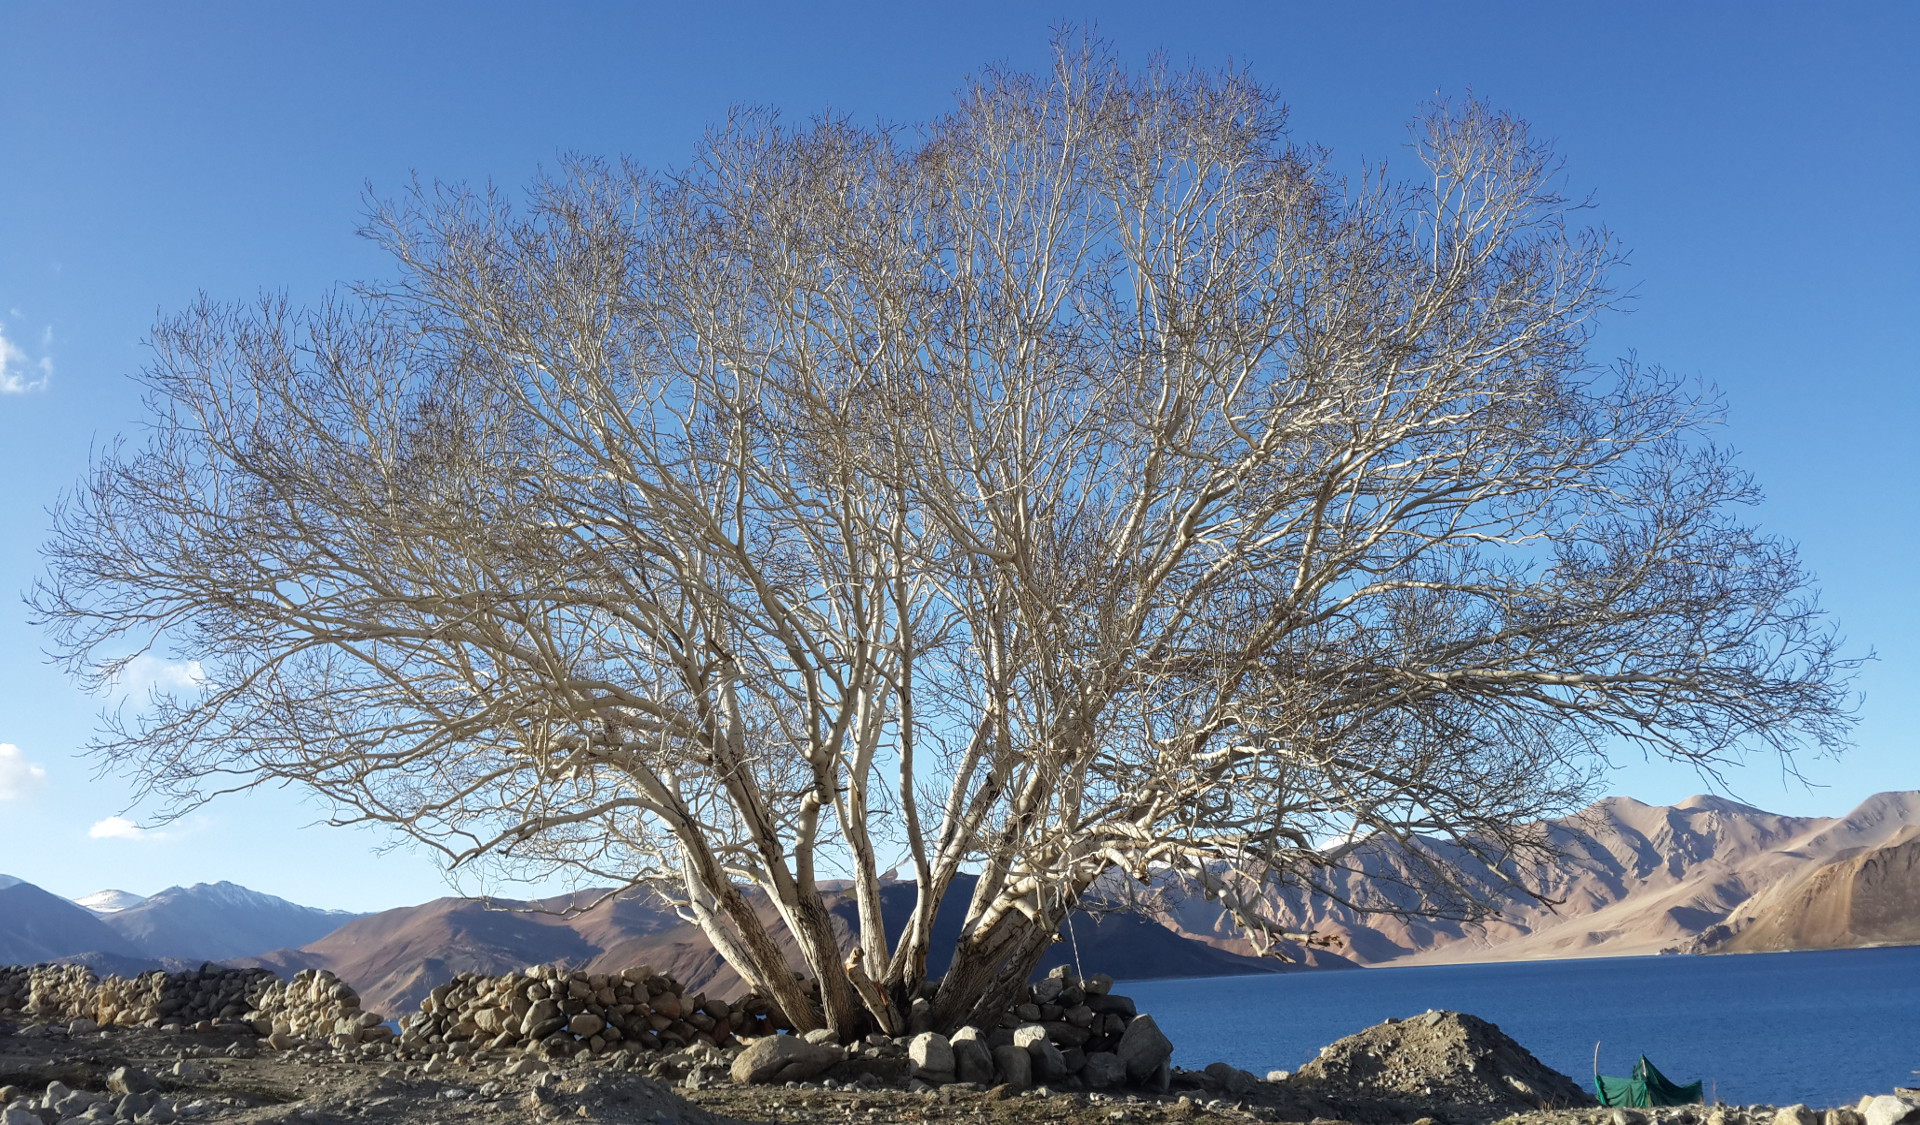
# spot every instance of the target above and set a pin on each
(989, 968)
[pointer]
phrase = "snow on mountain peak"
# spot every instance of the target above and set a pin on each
(9, 881)
(110, 901)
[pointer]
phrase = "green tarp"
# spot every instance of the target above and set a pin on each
(1647, 1087)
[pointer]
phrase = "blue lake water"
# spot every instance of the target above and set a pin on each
(1820, 1028)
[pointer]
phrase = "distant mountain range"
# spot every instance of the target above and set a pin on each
(393, 958)
(204, 922)
(1705, 875)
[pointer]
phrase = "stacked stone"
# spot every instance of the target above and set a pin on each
(48, 993)
(206, 995)
(314, 1006)
(1067, 1032)
(15, 986)
(564, 1012)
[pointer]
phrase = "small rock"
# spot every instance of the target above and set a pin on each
(1283, 1075)
(822, 1036)
(130, 1080)
(1796, 1115)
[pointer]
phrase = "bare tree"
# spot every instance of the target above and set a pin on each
(1088, 482)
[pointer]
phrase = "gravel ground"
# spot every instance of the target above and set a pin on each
(225, 1078)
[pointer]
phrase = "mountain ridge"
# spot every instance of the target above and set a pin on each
(1707, 874)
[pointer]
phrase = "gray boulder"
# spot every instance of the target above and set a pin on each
(932, 1056)
(782, 1058)
(1231, 1079)
(1015, 1066)
(1103, 1069)
(1049, 1065)
(1794, 1115)
(972, 1060)
(1144, 1048)
(542, 1013)
(586, 1025)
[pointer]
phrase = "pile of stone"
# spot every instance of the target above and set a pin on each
(1438, 1063)
(314, 1005)
(1068, 1033)
(562, 1012)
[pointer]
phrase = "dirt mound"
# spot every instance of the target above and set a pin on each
(1449, 1065)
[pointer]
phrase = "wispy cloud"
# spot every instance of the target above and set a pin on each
(21, 373)
(18, 777)
(120, 828)
(148, 673)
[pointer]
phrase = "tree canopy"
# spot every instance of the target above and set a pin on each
(1090, 481)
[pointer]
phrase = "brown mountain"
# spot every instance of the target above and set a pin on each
(1863, 896)
(395, 957)
(1634, 879)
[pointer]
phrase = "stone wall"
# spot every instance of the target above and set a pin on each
(314, 1004)
(564, 1012)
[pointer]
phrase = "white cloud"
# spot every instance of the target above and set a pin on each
(120, 828)
(147, 673)
(18, 777)
(20, 373)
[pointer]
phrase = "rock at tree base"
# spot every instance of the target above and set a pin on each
(1015, 1066)
(1438, 1060)
(932, 1057)
(972, 1060)
(1144, 1049)
(1103, 1069)
(783, 1058)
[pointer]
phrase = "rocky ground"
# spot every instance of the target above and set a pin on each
(1438, 1069)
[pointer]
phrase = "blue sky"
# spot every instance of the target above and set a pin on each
(1760, 160)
